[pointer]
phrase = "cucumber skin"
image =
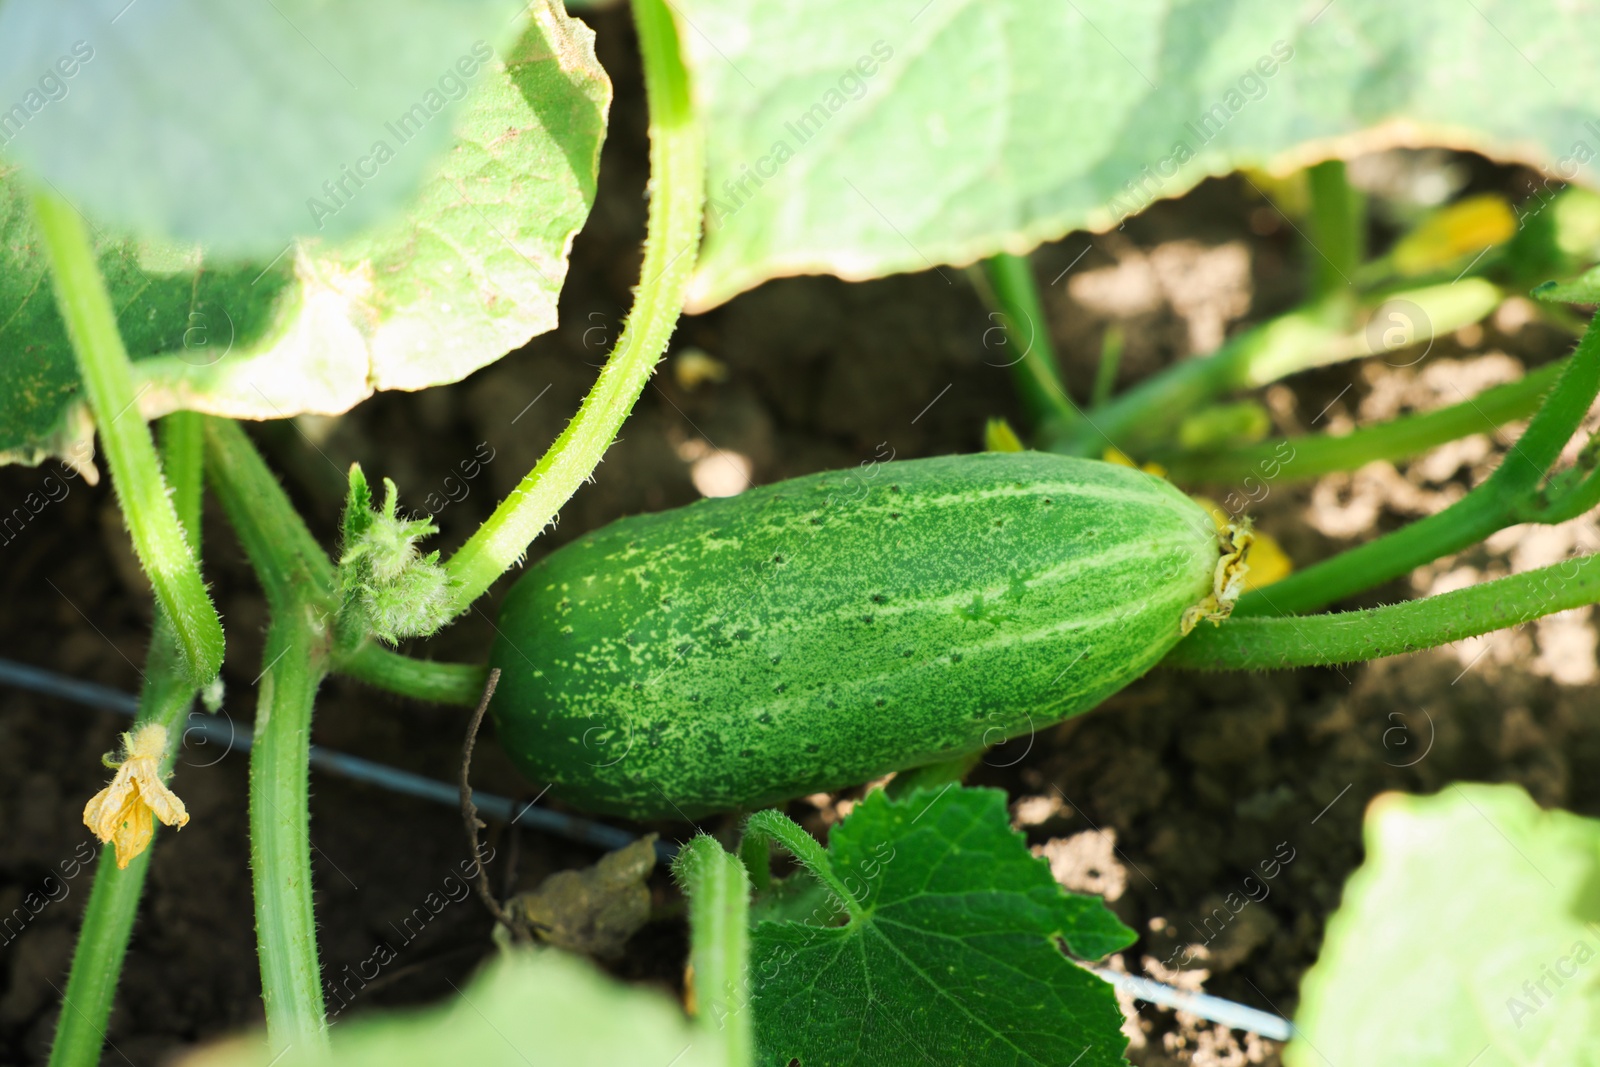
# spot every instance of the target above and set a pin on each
(824, 631)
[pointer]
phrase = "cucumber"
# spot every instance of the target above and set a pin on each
(827, 630)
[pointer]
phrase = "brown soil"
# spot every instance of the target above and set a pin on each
(1204, 781)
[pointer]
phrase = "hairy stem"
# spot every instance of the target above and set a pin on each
(130, 451)
(297, 579)
(719, 943)
(782, 830)
(1502, 500)
(165, 698)
(1344, 637)
(287, 559)
(280, 830)
(431, 680)
(114, 899)
(1314, 455)
(1032, 357)
(677, 178)
(183, 459)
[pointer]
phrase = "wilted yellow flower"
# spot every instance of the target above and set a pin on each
(121, 812)
(1228, 580)
(1268, 561)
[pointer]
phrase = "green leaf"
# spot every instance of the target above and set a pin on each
(1584, 289)
(864, 139)
(1471, 934)
(220, 125)
(957, 956)
(358, 517)
(527, 1008)
(471, 271)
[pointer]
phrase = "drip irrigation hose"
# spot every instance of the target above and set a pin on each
(238, 738)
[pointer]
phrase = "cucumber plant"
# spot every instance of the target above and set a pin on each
(808, 635)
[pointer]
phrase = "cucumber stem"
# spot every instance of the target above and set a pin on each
(933, 776)
(1338, 228)
(677, 178)
(183, 460)
(1142, 416)
(434, 681)
(297, 579)
(1314, 455)
(782, 830)
(1507, 497)
(1314, 335)
(289, 563)
(1348, 636)
(165, 698)
(1012, 295)
(280, 830)
(719, 943)
(1105, 375)
(755, 852)
(107, 377)
(114, 898)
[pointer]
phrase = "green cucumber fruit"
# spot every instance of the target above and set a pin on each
(827, 630)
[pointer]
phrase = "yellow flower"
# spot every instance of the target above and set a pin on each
(122, 811)
(1268, 561)
(1121, 459)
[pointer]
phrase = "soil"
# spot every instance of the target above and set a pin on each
(1167, 799)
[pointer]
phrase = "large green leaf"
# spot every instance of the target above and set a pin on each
(959, 955)
(970, 128)
(542, 1008)
(219, 123)
(1471, 934)
(469, 272)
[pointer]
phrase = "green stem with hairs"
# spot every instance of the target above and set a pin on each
(755, 852)
(287, 559)
(1011, 293)
(434, 681)
(280, 828)
(183, 459)
(677, 178)
(114, 899)
(1348, 636)
(165, 698)
(718, 890)
(1313, 455)
(1508, 496)
(297, 579)
(778, 828)
(130, 451)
